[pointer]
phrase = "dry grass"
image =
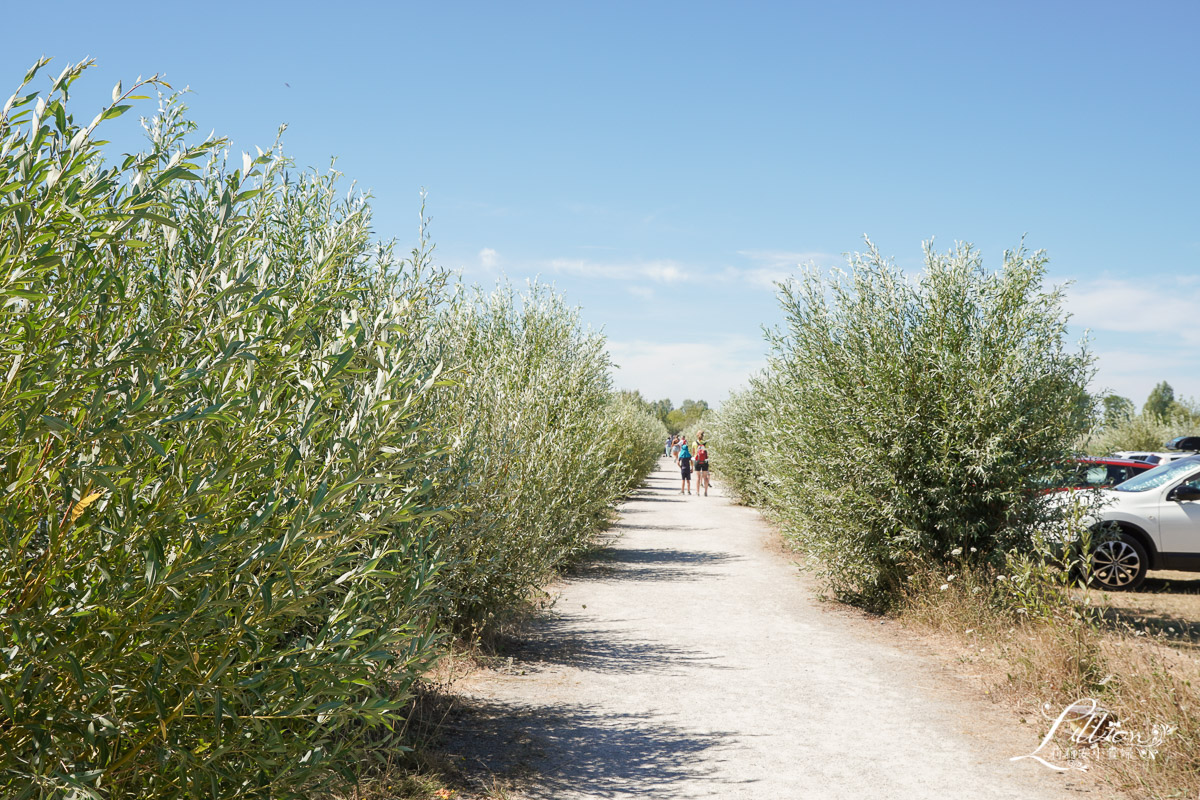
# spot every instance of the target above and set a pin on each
(1119, 650)
(1167, 607)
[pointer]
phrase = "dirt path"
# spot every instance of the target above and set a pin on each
(691, 661)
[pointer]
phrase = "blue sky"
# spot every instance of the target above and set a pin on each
(663, 163)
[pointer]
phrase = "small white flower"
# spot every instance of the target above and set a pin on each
(950, 578)
(944, 587)
(973, 550)
(956, 551)
(1001, 578)
(1021, 611)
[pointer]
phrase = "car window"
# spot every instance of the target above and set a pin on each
(1096, 476)
(1160, 476)
(1118, 473)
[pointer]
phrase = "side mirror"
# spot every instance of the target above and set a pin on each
(1184, 493)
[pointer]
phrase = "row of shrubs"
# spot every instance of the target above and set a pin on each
(256, 464)
(905, 422)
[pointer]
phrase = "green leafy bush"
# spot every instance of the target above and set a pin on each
(215, 511)
(631, 438)
(241, 499)
(737, 439)
(540, 451)
(904, 419)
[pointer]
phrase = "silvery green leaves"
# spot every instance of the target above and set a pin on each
(215, 520)
(254, 464)
(905, 416)
(541, 449)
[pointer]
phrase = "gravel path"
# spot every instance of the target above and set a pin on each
(690, 660)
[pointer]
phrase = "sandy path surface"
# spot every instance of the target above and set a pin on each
(690, 660)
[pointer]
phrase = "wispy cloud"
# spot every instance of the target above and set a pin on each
(1136, 307)
(1143, 331)
(773, 267)
(766, 268)
(660, 271)
(488, 258)
(790, 259)
(697, 370)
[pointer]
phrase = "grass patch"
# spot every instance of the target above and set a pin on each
(1041, 658)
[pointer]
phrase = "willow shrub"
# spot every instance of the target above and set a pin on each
(906, 420)
(631, 438)
(216, 521)
(540, 452)
(737, 436)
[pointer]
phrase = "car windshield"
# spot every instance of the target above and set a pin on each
(1159, 476)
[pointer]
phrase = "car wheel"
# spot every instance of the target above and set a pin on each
(1119, 564)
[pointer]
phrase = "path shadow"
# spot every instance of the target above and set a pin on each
(665, 555)
(645, 498)
(650, 564)
(549, 751)
(559, 641)
(638, 527)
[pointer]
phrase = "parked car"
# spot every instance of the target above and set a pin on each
(1093, 472)
(1190, 444)
(1151, 521)
(1151, 458)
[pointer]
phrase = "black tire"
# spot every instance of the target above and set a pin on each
(1119, 564)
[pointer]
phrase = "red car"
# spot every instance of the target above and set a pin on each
(1093, 472)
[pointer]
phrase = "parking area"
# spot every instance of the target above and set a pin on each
(1167, 606)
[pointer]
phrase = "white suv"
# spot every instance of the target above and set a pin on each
(1154, 519)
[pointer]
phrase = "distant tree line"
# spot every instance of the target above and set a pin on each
(1120, 426)
(684, 418)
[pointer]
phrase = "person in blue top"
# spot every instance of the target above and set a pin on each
(685, 466)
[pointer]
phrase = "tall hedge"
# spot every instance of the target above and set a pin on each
(242, 481)
(536, 462)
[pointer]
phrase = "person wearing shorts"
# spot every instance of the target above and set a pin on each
(701, 467)
(685, 466)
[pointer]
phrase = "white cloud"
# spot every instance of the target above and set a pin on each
(665, 272)
(790, 259)
(1135, 307)
(1142, 332)
(661, 271)
(758, 278)
(774, 267)
(697, 370)
(488, 258)
(769, 268)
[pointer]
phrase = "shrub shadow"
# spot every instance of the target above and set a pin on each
(549, 751)
(555, 641)
(646, 564)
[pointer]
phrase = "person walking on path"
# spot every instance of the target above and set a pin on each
(685, 466)
(667, 447)
(701, 466)
(675, 450)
